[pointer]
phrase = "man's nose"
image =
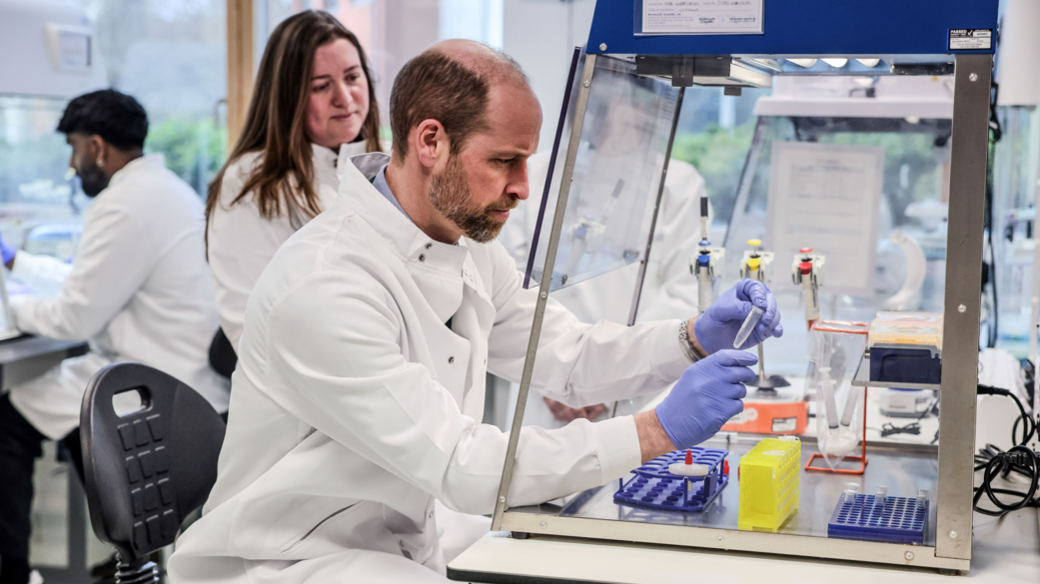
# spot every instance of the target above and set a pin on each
(520, 186)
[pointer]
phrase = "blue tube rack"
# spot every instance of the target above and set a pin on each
(656, 488)
(884, 519)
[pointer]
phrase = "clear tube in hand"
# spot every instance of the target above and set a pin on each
(749, 325)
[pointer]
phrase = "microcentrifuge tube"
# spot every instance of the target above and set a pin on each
(749, 325)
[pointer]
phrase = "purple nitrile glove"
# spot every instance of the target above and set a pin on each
(717, 327)
(7, 251)
(706, 396)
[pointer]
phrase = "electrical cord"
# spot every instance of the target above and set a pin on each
(996, 132)
(995, 462)
(1019, 459)
(1028, 424)
(913, 428)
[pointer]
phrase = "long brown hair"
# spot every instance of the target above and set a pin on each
(274, 126)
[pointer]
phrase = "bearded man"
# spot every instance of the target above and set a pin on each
(357, 401)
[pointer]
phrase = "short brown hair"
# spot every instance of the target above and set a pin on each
(434, 86)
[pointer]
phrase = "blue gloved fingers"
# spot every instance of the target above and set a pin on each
(778, 331)
(731, 358)
(735, 390)
(734, 407)
(738, 375)
(753, 292)
(770, 322)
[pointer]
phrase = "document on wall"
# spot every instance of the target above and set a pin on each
(702, 16)
(826, 197)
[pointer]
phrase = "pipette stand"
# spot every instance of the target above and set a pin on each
(755, 265)
(861, 457)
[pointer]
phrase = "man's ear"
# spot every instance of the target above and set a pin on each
(99, 150)
(431, 144)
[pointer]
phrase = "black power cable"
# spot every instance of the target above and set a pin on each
(995, 462)
(1029, 426)
(913, 428)
(996, 132)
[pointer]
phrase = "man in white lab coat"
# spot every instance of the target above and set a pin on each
(138, 290)
(669, 289)
(360, 383)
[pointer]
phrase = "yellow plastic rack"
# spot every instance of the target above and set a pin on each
(769, 484)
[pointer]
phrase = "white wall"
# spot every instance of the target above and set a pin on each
(541, 36)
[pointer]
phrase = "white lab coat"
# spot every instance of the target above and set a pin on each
(669, 289)
(241, 242)
(355, 407)
(138, 290)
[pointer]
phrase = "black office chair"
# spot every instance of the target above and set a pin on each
(145, 471)
(222, 357)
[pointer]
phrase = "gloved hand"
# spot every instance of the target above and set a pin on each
(705, 397)
(7, 251)
(717, 327)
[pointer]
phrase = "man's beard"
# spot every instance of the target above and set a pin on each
(92, 179)
(450, 194)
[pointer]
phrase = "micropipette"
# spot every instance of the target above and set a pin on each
(752, 320)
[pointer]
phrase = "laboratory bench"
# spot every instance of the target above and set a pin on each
(21, 359)
(1004, 551)
(25, 357)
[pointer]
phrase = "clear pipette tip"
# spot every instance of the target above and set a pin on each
(749, 325)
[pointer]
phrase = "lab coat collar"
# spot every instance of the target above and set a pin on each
(324, 157)
(146, 162)
(356, 192)
(347, 151)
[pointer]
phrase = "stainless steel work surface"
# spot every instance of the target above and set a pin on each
(902, 468)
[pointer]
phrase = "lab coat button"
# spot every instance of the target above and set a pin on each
(422, 257)
(451, 360)
(429, 245)
(431, 515)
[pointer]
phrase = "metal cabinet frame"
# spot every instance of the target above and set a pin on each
(952, 550)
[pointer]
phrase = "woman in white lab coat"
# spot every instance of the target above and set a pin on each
(313, 105)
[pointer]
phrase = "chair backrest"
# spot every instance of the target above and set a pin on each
(222, 357)
(145, 471)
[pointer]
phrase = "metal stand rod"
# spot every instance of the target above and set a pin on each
(961, 305)
(761, 364)
(543, 291)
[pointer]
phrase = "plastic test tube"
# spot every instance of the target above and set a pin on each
(827, 385)
(749, 325)
(851, 401)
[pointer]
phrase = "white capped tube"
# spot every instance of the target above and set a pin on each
(749, 325)
(827, 386)
(850, 405)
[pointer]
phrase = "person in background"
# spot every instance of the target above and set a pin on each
(313, 105)
(137, 290)
(367, 341)
(313, 109)
(669, 289)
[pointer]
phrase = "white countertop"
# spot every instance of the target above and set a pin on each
(1003, 551)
